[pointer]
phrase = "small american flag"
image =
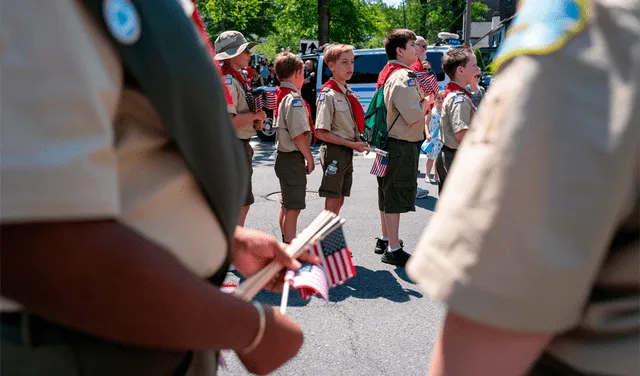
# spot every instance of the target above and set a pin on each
(261, 99)
(336, 262)
(380, 164)
(309, 280)
(428, 82)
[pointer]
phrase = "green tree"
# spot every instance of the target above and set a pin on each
(253, 18)
(481, 64)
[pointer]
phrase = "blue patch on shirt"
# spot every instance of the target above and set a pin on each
(228, 81)
(297, 103)
(321, 97)
(543, 27)
(411, 82)
(458, 99)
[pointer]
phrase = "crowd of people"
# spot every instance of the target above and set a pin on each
(125, 190)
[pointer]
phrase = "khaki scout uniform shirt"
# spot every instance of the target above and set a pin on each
(524, 237)
(334, 114)
(401, 96)
(81, 147)
(292, 121)
(239, 106)
(457, 111)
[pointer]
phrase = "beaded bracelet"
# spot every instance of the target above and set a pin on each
(263, 321)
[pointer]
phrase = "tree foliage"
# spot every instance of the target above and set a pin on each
(280, 24)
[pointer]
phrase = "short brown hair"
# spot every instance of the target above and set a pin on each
(454, 58)
(332, 52)
(287, 64)
(397, 38)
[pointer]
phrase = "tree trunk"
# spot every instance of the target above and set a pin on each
(323, 21)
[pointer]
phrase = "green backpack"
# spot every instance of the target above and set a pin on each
(375, 121)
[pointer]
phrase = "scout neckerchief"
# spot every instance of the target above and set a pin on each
(198, 21)
(387, 71)
(356, 108)
(226, 69)
(282, 92)
(452, 86)
(417, 66)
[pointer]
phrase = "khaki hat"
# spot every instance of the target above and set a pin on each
(230, 44)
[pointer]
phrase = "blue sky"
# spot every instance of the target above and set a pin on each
(393, 2)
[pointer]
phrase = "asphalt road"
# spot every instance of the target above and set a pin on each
(379, 322)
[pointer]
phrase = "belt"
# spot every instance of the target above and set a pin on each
(22, 328)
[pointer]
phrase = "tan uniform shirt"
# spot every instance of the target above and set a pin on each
(524, 237)
(292, 121)
(402, 96)
(80, 147)
(239, 106)
(334, 114)
(457, 111)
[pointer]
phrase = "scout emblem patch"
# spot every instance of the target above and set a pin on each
(122, 20)
(543, 27)
(321, 97)
(297, 103)
(411, 82)
(458, 99)
(228, 81)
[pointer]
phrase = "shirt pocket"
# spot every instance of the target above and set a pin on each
(341, 106)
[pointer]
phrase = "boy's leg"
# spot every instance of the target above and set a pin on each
(248, 150)
(333, 204)
(290, 224)
(281, 219)
(392, 223)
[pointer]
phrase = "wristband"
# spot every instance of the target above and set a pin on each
(263, 323)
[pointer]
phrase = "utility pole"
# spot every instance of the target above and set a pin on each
(467, 24)
(323, 22)
(404, 15)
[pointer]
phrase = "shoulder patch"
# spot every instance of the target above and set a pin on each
(296, 102)
(228, 81)
(458, 99)
(411, 82)
(321, 97)
(122, 20)
(543, 27)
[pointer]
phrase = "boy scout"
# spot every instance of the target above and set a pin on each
(113, 212)
(461, 66)
(233, 50)
(294, 160)
(535, 244)
(406, 108)
(339, 122)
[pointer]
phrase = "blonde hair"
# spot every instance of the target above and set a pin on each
(333, 52)
(286, 64)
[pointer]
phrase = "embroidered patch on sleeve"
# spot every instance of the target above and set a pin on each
(321, 97)
(411, 82)
(297, 103)
(228, 81)
(458, 99)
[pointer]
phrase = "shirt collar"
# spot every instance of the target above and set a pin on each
(399, 63)
(289, 85)
(342, 87)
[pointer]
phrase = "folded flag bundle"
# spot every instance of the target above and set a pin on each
(428, 82)
(308, 280)
(381, 163)
(259, 99)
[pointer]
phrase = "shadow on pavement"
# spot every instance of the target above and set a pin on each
(264, 153)
(428, 203)
(372, 284)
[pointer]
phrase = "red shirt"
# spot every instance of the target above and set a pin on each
(251, 73)
(417, 66)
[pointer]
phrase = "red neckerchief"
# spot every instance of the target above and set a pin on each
(198, 21)
(386, 72)
(417, 66)
(452, 86)
(226, 69)
(282, 92)
(356, 107)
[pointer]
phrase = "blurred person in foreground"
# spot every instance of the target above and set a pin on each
(122, 182)
(535, 243)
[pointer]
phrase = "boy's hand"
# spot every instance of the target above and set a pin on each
(360, 146)
(260, 115)
(310, 165)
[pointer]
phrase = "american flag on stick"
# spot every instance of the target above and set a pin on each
(259, 99)
(428, 82)
(336, 262)
(380, 164)
(309, 280)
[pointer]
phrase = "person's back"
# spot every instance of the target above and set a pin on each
(535, 244)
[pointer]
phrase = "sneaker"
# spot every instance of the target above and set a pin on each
(381, 245)
(422, 193)
(397, 258)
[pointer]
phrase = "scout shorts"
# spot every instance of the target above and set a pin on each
(397, 190)
(290, 170)
(248, 151)
(339, 184)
